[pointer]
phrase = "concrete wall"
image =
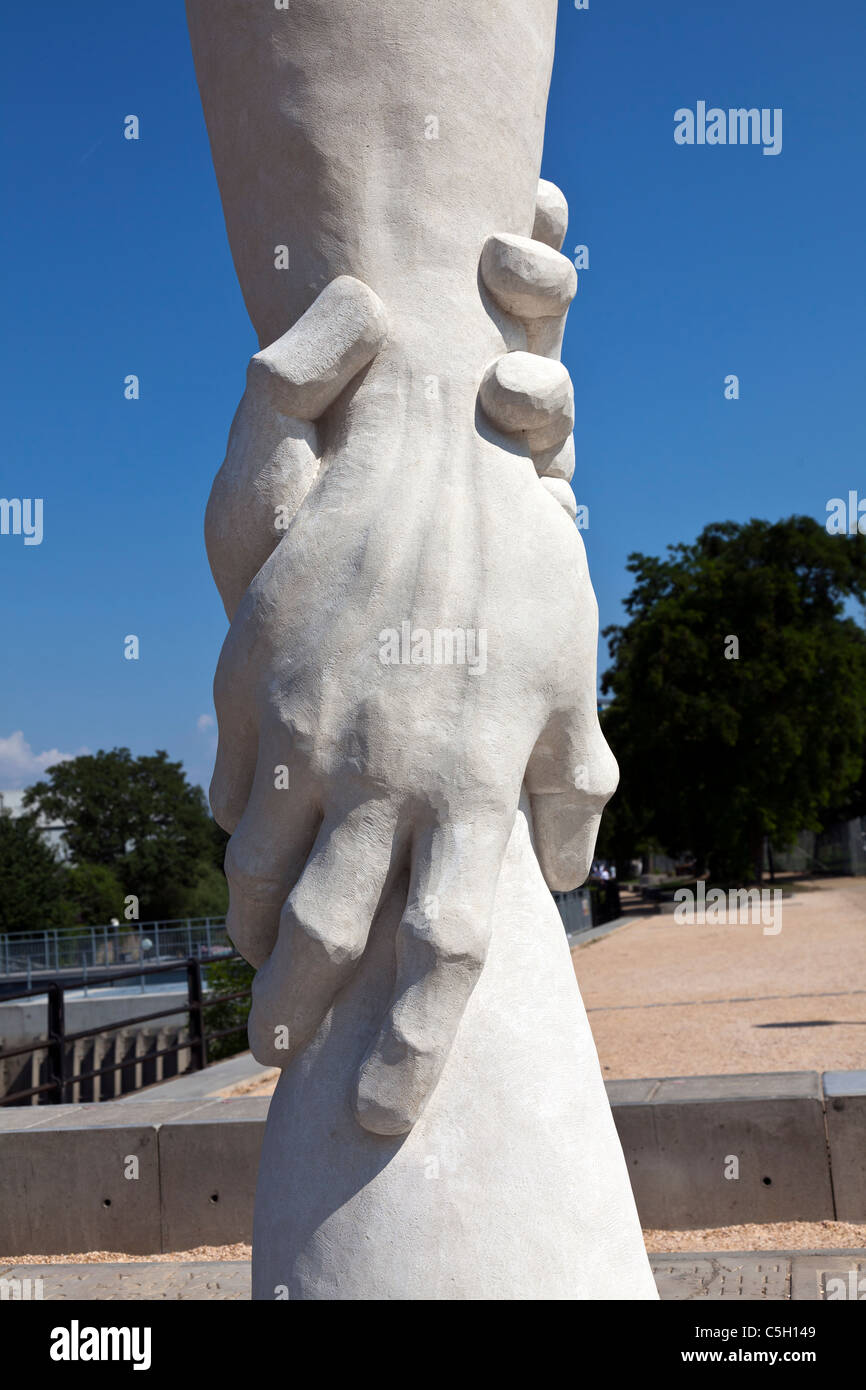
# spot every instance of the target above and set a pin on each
(134, 1177)
(725, 1150)
(701, 1151)
(845, 1093)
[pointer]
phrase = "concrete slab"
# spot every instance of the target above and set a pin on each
(845, 1109)
(701, 1151)
(723, 1276)
(222, 1280)
(229, 1111)
(636, 1092)
(777, 1085)
(741, 1276)
(716, 1151)
(796, 1275)
(202, 1084)
(208, 1171)
(87, 1189)
(844, 1083)
(829, 1276)
(29, 1116)
(118, 1114)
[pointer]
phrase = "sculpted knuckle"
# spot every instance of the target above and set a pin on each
(332, 936)
(245, 873)
(454, 938)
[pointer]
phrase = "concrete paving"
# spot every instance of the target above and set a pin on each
(800, 1275)
(228, 1280)
(215, 1081)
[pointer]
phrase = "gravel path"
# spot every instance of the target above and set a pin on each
(671, 1000)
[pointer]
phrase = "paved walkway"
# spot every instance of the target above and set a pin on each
(666, 999)
(798, 1275)
(228, 1279)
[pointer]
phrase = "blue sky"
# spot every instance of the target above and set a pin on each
(704, 261)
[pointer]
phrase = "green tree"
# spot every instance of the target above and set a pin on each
(31, 878)
(138, 817)
(722, 742)
(226, 977)
(94, 893)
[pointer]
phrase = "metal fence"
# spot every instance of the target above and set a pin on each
(591, 906)
(838, 849)
(25, 954)
(61, 1078)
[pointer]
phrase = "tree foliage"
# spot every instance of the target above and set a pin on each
(31, 878)
(139, 820)
(717, 751)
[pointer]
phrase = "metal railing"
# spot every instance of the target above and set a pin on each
(62, 1079)
(30, 953)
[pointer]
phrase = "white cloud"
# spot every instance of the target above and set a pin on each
(19, 765)
(205, 721)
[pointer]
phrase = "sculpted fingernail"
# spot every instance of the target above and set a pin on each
(527, 279)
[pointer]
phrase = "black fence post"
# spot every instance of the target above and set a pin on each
(197, 1038)
(57, 1040)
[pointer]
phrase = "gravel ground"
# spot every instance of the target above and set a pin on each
(108, 1257)
(671, 1000)
(258, 1086)
(782, 1235)
(785, 1235)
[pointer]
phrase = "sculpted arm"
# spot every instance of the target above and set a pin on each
(408, 422)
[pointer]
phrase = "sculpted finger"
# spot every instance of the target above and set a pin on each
(337, 337)
(557, 462)
(266, 855)
(532, 283)
(234, 770)
(442, 943)
(237, 750)
(571, 776)
(272, 456)
(270, 465)
(527, 395)
(561, 493)
(551, 215)
(323, 930)
(566, 824)
(527, 279)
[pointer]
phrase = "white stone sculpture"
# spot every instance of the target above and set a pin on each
(409, 745)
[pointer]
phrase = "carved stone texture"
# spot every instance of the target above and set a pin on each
(406, 695)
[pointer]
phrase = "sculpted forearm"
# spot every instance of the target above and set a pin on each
(359, 137)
